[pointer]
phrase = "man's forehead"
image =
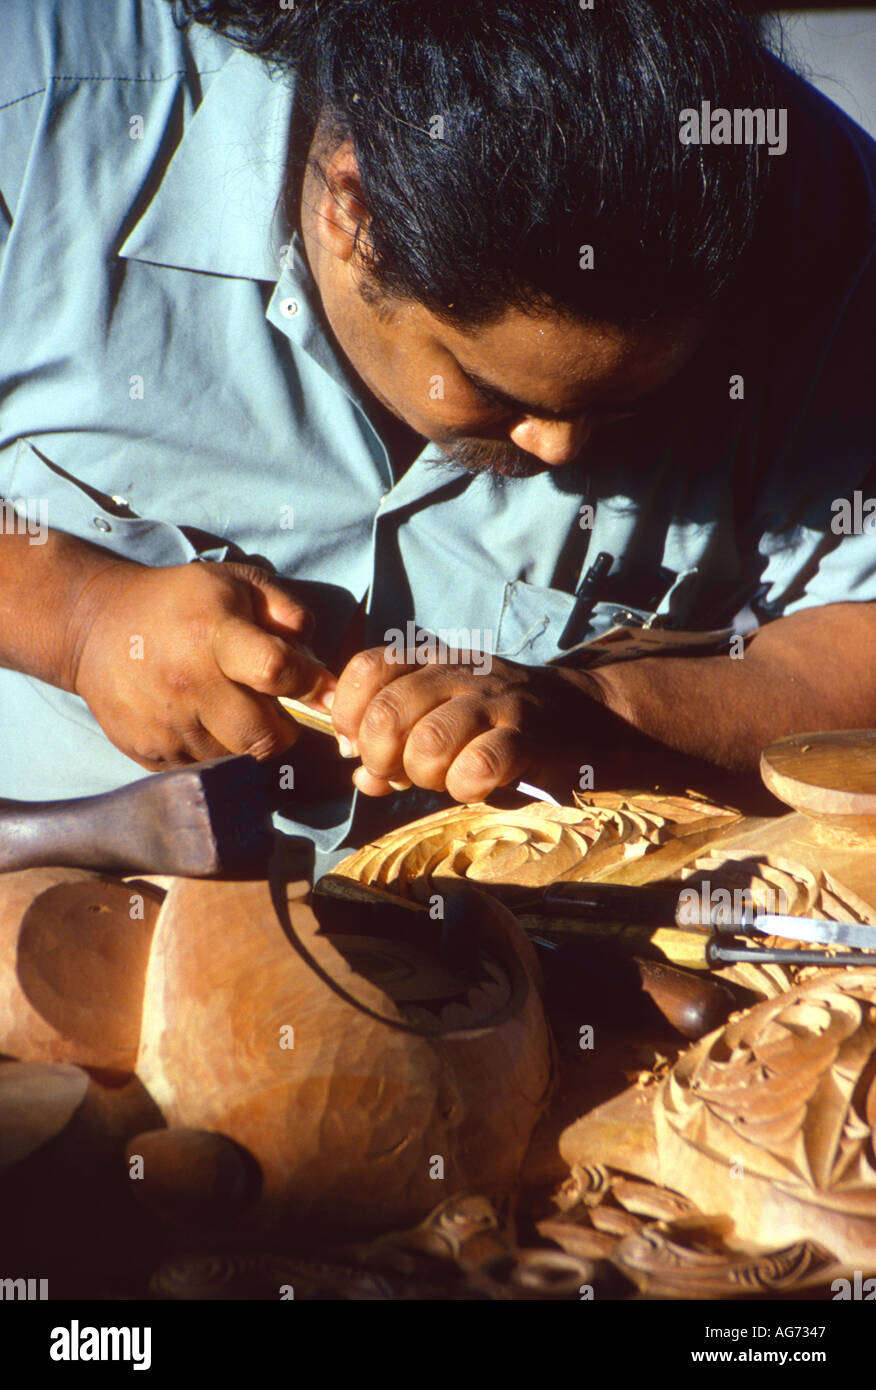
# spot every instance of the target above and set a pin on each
(521, 355)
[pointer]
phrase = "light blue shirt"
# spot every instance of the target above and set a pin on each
(168, 391)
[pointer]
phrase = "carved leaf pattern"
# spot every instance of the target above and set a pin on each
(511, 852)
(788, 1087)
(667, 1248)
(776, 885)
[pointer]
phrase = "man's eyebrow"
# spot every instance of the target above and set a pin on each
(487, 388)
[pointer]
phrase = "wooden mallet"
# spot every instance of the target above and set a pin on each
(208, 818)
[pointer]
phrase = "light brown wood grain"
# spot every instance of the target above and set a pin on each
(73, 965)
(830, 776)
(769, 1120)
(344, 1124)
(308, 716)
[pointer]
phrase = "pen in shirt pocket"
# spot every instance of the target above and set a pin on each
(592, 581)
(586, 595)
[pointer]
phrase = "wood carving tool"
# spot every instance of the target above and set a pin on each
(718, 954)
(317, 719)
(209, 818)
(624, 992)
(663, 905)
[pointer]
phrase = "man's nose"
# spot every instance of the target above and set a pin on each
(555, 442)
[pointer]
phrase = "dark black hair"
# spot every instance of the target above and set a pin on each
(560, 131)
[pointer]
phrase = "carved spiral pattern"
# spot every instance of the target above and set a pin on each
(788, 1087)
(664, 1266)
(668, 1248)
(511, 852)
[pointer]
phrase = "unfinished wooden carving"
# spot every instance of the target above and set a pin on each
(608, 1236)
(667, 1246)
(510, 852)
(73, 953)
(324, 1076)
(770, 1120)
(352, 1065)
(358, 1069)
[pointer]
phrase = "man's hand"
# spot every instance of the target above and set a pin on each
(178, 664)
(450, 726)
(676, 722)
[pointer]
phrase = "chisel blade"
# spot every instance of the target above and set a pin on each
(816, 929)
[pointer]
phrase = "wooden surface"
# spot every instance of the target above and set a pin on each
(839, 865)
(399, 1057)
(73, 965)
(769, 1120)
(829, 776)
(344, 1124)
(513, 852)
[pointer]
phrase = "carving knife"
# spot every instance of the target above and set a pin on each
(663, 906)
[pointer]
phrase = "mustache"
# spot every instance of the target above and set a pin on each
(497, 458)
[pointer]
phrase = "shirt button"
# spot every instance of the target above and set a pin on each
(101, 523)
(289, 308)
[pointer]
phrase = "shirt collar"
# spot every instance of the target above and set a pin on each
(218, 208)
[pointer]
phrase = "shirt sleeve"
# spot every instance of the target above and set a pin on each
(18, 123)
(816, 532)
(23, 82)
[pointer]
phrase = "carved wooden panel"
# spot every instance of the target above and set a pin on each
(770, 1119)
(511, 852)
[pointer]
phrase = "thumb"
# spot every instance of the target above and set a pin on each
(272, 665)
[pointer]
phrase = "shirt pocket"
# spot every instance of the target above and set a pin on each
(46, 497)
(537, 626)
(531, 622)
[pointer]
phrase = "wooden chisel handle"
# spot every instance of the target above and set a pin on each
(615, 902)
(74, 833)
(317, 719)
(607, 985)
(193, 821)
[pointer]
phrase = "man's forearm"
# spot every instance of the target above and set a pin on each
(43, 591)
(813, 670)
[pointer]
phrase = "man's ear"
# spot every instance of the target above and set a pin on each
(341, 213)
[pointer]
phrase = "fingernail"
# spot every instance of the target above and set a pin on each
(400, 786)
(329, 699)
(345, 747)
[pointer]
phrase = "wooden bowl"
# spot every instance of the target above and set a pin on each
(367, 1075)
